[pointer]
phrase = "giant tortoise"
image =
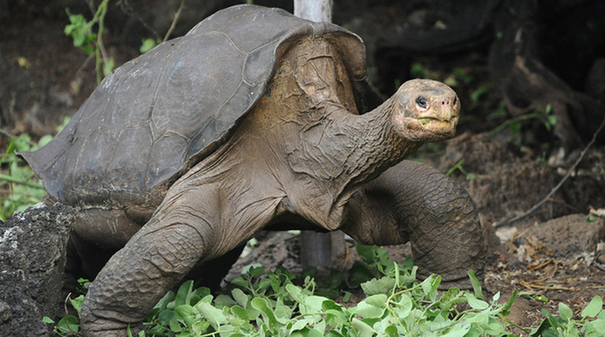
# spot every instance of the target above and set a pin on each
(252, 120)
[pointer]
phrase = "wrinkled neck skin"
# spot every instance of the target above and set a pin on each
(337, 153)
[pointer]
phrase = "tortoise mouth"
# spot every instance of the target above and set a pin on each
(427, 128)
(438, 124)
(425, 120)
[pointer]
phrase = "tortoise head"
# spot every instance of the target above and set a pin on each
(425, 111)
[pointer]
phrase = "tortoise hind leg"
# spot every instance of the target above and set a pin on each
(98, 233)
(416, 202)
(193, 225)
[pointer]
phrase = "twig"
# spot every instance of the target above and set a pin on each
(556, 188)
(542, 265)
(530, 286)
(547, 277)
(174, 21)
(10, 135)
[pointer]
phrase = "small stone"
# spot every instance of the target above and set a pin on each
(5, 312)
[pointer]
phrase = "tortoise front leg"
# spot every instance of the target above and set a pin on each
(415, 202)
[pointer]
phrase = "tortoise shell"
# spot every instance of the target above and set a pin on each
(158, 115)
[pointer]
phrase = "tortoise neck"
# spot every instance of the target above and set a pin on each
(371, 145)
(335, 153)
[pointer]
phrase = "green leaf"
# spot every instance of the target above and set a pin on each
(509, 304)
(360, 272)
(182, 294)
(175, 326)
(307, 332)
(476, 284)
(541, 298)
(48, 320)
(68, 324)
(77, 303)
(331, 305)
(163, 303)
(314, 303)
(391, 331)
(476, 303)
(240, 297)
(372, 307)
(514, 126)
(363, 328)
(147, 45)
(214, 316)
(187, 313)
(405, 306)
(240, 312)
(282, 311)
(334, 333)
(366, 252)
(593, 308)
(166, 316)
(430, 287)
(457, 330)
(239, 281)
(256, 270)
(261, 305)
(565, 312)
(108, 66)
(223, 300)
(595, 328)
(378, 286)
(295, 292)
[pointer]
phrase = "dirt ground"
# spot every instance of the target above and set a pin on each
(556, 252)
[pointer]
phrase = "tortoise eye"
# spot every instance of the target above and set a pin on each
(421, 101)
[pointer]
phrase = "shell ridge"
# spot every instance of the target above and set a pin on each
(229, 39)
(168, 60)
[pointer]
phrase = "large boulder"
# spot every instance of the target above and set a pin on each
(32, 260)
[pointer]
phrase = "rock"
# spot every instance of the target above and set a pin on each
(32, 260)
(570, 235)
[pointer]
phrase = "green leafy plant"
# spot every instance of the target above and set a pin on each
(68, 325)
(459, 75)
(458, 166)
(148, 44)
(592, 323)
(396, 304)
(19, 187)
(84, 37)
(547, 118)
(480, 91)
(273, 305)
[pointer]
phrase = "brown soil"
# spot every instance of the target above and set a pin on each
(554, 252)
